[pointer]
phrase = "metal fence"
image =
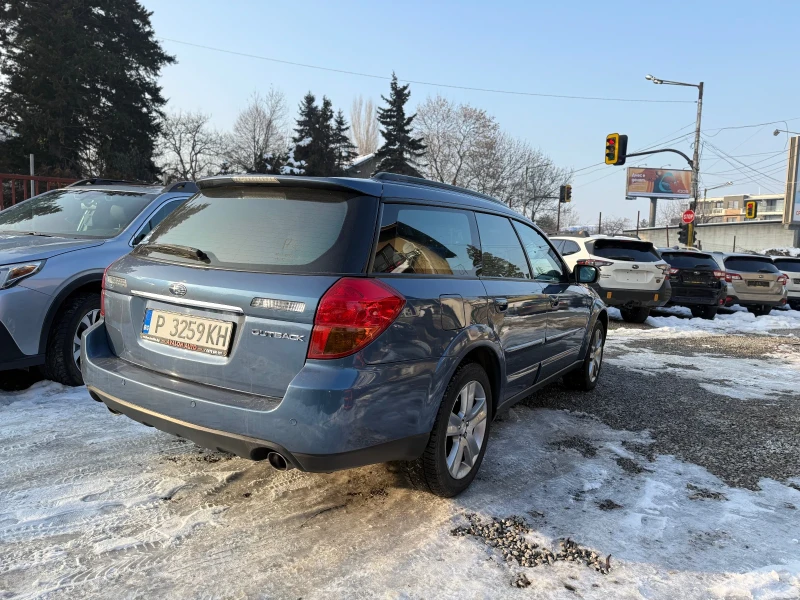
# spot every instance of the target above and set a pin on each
(16, 188)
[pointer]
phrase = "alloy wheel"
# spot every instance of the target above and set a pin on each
(87, 321)
(596, 354)
(466, 430)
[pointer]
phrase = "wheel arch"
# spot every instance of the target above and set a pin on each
(87, 283)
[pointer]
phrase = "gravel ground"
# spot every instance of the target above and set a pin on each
(739, 441)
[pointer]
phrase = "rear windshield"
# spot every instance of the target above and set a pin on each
(788, 264)
(690, 261)
(283, 230)
(76, 213)
(623, 250)
(746, 264)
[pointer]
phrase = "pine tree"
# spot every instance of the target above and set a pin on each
(80, 90)
(313, 139)
(344, 149)
(400, 151)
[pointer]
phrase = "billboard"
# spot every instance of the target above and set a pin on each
(791, 204)
(658, 183)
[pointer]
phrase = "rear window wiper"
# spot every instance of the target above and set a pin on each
(178, 250)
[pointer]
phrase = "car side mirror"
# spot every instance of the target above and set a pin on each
(586, 274)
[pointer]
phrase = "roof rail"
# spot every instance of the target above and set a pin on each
(104, 181)
(432, 184)
(181, 186)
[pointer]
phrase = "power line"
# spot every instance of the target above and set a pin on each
(725, 156)
(418, 82)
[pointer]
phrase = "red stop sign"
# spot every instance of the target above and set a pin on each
(688, 216)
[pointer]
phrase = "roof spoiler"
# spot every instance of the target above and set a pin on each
(344, 184)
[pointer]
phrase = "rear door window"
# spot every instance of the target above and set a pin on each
(268, 230)
(427, 240)
(630, 250)
(788, 264)
(544, 261)
(157, 217)
(746, 264)
(570, 247)
(501, 252)
(690, 261)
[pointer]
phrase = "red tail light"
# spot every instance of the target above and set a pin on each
(721, 275)
(593, 262)
(729, 277)
(351, 314)
(103, 294)
(674, 271)
(783, 279)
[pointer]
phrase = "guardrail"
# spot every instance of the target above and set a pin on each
(16, 188)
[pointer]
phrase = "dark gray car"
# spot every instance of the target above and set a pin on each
(54, 248)
(325, 324)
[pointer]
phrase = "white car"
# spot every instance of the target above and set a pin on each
(633, 276)
(791, 267)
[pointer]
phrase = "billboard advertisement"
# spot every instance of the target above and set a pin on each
(644, 182)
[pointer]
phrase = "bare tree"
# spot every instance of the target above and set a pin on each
(541, 184)
(670, 212)
(189, 147)
(615, 225)
(454, 136)
(364, 125)
(260, 131)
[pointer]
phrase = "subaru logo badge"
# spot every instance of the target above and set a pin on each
(177, 289)
(634, 266)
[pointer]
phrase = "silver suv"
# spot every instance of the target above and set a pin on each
(54, 248)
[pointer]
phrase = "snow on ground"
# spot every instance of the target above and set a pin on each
(680, 323)
(95, 505)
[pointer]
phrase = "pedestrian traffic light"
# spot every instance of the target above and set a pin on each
(683, 234)
(616, 149)
(750, 209)
(565, 193)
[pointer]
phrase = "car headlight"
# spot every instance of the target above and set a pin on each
(13, 274)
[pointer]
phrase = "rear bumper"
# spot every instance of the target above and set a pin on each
(749, 300)
(693, 296)
(634, 298)
(330, 418)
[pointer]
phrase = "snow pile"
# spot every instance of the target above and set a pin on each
(781, 252)
(738, 322)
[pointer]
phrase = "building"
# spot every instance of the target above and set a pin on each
(362, 166)
(730, 209)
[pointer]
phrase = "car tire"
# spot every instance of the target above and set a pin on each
(759, 310)
(585, 377)
(453, 435)
(635, 315)
(704, 312)
(78, 313)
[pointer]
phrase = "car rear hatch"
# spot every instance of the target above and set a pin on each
(754, 275)
(225, 291)
(791, 267)
(627, 264)
(693, 273)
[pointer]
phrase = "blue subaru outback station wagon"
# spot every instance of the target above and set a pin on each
(324, 324)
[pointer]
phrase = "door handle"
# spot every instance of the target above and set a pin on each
(554, 301)
(501, 304)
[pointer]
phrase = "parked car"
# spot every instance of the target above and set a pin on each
(697, 281)
(754, 282)
(329, 323)
(790, 266)
(633, 276)
(54, 248)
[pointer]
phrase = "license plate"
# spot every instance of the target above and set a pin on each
(197, 334)
(694, 281)
(631, 276)
(758, 283)
(796, 281)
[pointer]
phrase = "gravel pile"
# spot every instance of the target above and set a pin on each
(508, 536)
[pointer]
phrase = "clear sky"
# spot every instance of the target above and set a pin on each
(747, 53)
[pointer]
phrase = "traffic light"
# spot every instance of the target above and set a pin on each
(565, 193)
(750, 209)
(616, 148)
(683, 234)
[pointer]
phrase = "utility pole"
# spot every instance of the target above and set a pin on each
(600, 224)
(653, 210)
(696, 155)
(32, 186)
(638, 217)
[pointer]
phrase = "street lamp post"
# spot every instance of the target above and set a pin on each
(705, 191)
(696, 156)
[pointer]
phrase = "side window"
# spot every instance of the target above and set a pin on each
(559, 245)
(570, 247)
(501, 254)
(427, 240)
(544, 260)
(161, 214)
